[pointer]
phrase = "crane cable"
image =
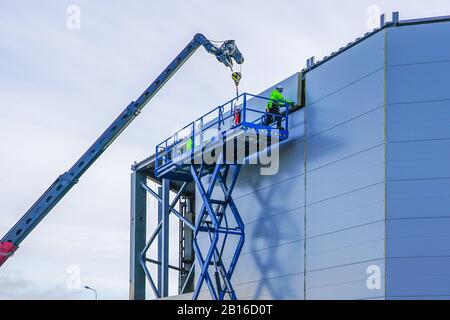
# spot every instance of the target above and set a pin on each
(235, 75)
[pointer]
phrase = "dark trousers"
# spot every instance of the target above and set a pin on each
(269, 119)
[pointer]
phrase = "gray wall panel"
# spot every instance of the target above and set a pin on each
(282, 260)
(329, 242)
(412, 83)
(420, 228)
(429, 297)
(345, 140)
(346, 247)
(418, 237)
(418, 189)
(418, 121)
(418, 159)
(417, 241)
(273, 288)
(350, 66)
(347, 211)
(418, 286)
(346, 104)
(420, 207)
(418, 266)
(360, 273)
(427, 275)
(419, 43)
(365, 251)
(271, 231)
(266, 202)
(355, 290)
(344, 176)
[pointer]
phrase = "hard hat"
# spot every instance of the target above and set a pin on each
(280, 87)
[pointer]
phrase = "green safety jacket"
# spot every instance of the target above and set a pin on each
(189, 145)
(276, 98)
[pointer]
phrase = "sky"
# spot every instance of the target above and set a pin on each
(61, 86)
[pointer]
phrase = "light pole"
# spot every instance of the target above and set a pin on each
(95, 291)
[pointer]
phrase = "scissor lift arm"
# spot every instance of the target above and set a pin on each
(225, 54)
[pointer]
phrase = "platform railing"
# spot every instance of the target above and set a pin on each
(246, 110)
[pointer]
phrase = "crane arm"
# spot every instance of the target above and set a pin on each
(226, 54)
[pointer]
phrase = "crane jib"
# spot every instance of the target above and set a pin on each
(225, 54)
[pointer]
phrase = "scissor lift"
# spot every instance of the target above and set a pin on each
(201, 149)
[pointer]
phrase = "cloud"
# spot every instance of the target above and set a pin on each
(15, 286)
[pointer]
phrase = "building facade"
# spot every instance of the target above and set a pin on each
(360, 206)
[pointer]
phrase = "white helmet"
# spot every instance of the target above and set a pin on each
(280, 88)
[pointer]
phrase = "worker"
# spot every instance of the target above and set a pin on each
(273, 106)
(189, 145)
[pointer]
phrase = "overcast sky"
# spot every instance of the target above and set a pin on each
(60, 88)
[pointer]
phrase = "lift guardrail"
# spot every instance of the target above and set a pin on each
(229, 118)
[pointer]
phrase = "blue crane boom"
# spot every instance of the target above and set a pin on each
(226, 53)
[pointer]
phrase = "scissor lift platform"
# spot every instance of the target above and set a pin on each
(233, 125)
(203, 148)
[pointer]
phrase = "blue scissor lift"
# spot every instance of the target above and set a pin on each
(201, 149)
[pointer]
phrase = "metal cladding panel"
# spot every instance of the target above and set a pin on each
(345, 176)
(266, 202)
(347, 211)
(349, 246)
(346, 282)
(283, 260)
(273, 288)
(349, 102)
(419, 237)
(410, 199)
(345, 173)
(346, 139)
(419, 43)
(405, 162)
(418, 82)
(351, 280)
(272, 231)
(418, 121)
(431, 272)
(425, 286)
(343, 70)
(417, 157)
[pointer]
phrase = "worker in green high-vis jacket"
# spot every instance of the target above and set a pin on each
(189, 145)
(273, 106)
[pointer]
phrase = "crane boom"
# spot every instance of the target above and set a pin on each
(225, 54)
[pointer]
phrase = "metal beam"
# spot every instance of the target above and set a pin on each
(165, 239)
(137, 236)
(170, 266)
(160, 239)
(187, 254)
